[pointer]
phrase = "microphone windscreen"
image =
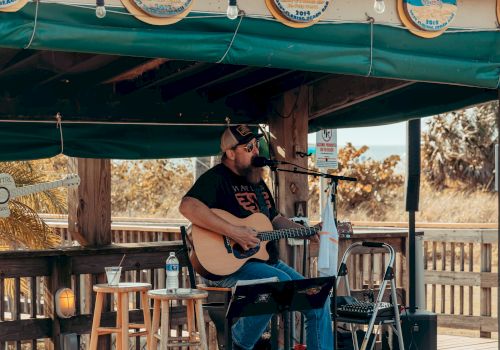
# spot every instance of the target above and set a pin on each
(259, 162)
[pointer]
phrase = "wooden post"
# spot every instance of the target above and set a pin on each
(486, 258)
(89, 205)
(89, 214)
(498, 221)
(59, 278)
(289, 127)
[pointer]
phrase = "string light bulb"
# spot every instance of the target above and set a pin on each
(232, 10)
(379, 6)
(100, 10)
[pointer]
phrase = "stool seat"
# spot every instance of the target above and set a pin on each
(179, 294)
(125, 287)
(196, 335)
(122, 320)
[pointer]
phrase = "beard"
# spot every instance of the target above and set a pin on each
(251, 173)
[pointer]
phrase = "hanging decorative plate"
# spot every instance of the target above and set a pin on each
(427, 18)
(297, 13)
(11, 5)
(498, 11)
(158, 12)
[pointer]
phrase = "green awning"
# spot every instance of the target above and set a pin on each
(20, 141)
(415, 101)
(466, 62)
(457, 57)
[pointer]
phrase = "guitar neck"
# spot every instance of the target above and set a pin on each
(26, 190)
(301, 232)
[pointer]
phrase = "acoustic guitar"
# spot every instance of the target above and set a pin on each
(215, 256)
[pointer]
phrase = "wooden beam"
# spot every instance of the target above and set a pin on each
(59, 278)
(137, 71)
(89, 205)
(341, 91)
(288, 127)
(25, 329)
(23, 59)
(83, 64)
(246, 82)
(170, 72)
(497, 160)
(202, 79)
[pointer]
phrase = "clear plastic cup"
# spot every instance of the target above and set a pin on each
(113, 274)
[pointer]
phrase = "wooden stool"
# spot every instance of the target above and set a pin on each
(193, 298)
(122, 322)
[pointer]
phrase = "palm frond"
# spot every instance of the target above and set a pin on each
(25, 229)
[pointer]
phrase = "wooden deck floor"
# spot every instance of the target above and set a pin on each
(446, 342)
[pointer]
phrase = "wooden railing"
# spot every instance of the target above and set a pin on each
(458, 287)
(29, 279)
(459, 280)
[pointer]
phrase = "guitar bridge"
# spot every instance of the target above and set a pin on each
(227, 244)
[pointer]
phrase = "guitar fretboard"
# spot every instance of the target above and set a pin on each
(25, 190)
(287, 233)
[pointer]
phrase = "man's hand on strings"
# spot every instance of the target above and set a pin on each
(245, 236)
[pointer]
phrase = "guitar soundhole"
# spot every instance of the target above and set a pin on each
(4, 195)
(240, 253)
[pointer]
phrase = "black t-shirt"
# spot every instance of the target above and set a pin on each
(220, 188)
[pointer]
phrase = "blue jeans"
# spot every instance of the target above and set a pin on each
(247, 330)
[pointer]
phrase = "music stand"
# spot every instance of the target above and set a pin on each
(278, 297)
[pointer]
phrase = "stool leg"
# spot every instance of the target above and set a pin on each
(155, 325)
(201, 324)
(165, 326)
(147, 318)
(190, 318)
(94, 334)
(118, 338)
(124, 316)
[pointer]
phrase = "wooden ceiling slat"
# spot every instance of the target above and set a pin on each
(249, 81)
(204, 78)
(341, 91)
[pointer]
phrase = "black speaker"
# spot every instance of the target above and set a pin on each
(419, 331)
(412, 180)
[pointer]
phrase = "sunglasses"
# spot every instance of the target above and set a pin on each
(250, 146)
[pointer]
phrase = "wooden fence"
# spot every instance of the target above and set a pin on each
(460, 287)
(460, 281)
(29, 279)
(461, 278)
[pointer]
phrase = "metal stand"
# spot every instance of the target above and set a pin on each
(279, 297)
(393, 320)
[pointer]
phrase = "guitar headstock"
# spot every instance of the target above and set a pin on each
(71, 180)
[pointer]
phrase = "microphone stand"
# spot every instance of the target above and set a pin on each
(334, 181)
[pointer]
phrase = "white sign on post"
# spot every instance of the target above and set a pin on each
(326, 149)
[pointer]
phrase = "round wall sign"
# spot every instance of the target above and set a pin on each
(158, 12)
(427, 18)
(11, 5)
(297, 13)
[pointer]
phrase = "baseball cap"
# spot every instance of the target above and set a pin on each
(236, 135)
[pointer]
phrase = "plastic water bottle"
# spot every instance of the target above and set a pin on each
(172, 269)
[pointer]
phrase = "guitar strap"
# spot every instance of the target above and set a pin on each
(261, 201)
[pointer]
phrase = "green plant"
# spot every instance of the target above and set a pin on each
(377, 186)
(458, 148)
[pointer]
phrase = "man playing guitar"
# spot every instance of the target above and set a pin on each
(236, 186)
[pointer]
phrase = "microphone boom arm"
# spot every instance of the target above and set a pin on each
(316, 173)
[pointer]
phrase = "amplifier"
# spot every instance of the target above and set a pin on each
(419, 330)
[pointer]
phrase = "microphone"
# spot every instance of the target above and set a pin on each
(260, 162)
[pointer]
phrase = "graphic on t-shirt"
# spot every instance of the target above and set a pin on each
(248, 200)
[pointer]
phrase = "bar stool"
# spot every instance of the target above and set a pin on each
(122, 310)
(193, 298)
